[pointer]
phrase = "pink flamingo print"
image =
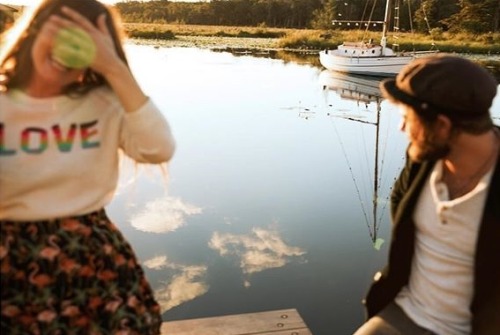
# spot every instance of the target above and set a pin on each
(39, 280)
(51, 251)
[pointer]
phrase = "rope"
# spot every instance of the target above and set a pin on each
(409, 15)
(379, 215)
(428, 26)
(349, 166)
(370, 18)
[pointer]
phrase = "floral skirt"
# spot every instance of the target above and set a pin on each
(75, 275)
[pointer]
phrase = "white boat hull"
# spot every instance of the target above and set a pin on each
(367, 65)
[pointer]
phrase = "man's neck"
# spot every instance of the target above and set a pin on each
(470, 158)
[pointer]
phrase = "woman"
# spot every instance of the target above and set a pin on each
(65, 268)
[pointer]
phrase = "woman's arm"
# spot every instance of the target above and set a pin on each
(107, 62)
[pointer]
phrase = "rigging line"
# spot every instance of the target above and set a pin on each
(353, 119)
(367, 165)
(384, 149)
(425, 18)
(370, 180)
(381, 181)
(409, 15)
(352, 177)
(387, 202)
(370, 18)
(428, 25)
(386, 159)
(390, 190)
(384, 181)
(364, 11)
(363, 19)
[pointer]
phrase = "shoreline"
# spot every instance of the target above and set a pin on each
(270, 46)
(251, 43)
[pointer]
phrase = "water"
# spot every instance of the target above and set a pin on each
(268, 202)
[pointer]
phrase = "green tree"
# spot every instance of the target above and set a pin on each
(475, 16)
(323, 16)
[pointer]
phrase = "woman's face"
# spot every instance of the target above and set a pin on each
(48, 77)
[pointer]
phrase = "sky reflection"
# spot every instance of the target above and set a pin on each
(274, 195)
(163, 215)
(259, 250)
(187, 282)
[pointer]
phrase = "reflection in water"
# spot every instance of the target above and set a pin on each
(304, 57)
(156, 263)
(185, 285)
(242, 160)
(353, 87)
(260, 250)
(163, 215)
(362, 89)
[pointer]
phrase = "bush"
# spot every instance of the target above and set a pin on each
(151, 34)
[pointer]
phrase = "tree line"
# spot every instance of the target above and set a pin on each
(472, 16)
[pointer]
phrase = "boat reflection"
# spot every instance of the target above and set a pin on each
(353, 87)
(361, 89)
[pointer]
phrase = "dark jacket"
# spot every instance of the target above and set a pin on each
(485, 305)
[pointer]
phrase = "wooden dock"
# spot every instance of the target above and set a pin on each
(280, 322)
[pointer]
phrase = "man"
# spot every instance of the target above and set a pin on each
(443, 273)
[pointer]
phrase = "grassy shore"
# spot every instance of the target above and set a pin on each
(310, 39)
(484, 49)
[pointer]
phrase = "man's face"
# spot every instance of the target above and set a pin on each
(425, 143)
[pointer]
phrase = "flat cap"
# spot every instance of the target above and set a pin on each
(451, 85)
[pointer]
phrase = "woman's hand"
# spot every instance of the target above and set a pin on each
(105, 56)
(106, 61)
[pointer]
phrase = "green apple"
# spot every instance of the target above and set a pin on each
(74, 48)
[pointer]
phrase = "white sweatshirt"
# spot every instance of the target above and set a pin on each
(59, 156)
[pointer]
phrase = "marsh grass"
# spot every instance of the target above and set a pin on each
(202, 30)
(445, 42)
(311, 39)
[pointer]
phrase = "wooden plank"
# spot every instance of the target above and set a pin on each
(280, 322)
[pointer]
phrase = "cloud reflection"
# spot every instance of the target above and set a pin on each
(185, 285)
(156, 263)
(163, 215)
(260, 250)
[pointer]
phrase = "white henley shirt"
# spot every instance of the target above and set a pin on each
(439, 291)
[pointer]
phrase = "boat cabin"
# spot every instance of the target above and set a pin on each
(362, 49)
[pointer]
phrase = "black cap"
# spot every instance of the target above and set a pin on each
(452, 85)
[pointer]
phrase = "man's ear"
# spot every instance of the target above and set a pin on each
(443, 126)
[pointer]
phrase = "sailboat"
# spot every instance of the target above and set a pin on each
(368, 58)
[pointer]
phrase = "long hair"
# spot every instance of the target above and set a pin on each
(16, 65)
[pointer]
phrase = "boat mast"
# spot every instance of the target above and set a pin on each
(385, 28)
(375, 199)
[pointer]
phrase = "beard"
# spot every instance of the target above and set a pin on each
(429, 148)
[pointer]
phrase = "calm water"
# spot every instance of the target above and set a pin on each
(268, 202)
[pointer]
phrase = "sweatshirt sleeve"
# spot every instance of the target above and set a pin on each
(146, 136)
